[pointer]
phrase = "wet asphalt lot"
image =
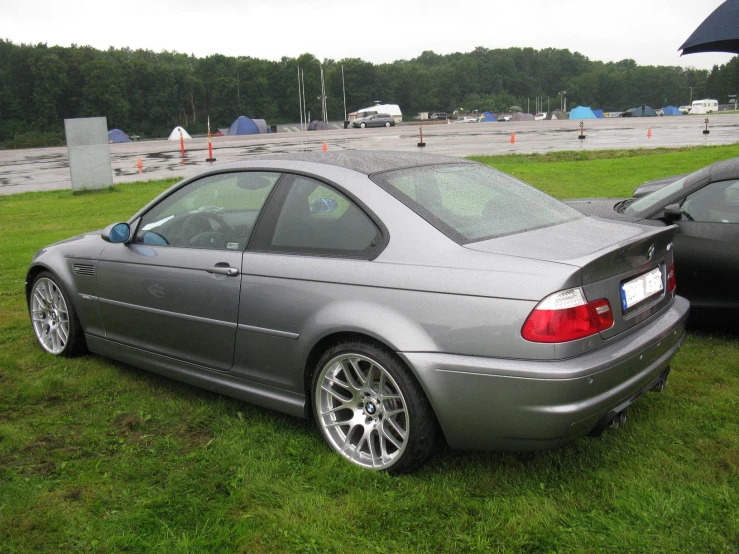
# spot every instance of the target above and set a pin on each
(48, 168)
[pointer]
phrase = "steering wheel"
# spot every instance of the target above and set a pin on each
(198, 223)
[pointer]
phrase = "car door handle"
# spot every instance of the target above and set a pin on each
(224, 270)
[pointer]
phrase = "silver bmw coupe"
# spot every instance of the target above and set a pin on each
(397, 299)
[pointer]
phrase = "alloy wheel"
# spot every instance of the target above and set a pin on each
(50, 316)
(362, 411)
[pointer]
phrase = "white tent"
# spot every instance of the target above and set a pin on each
(175, 135)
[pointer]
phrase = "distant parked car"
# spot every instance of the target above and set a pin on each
(377, 120)
(439, 115)
(504, 118)
(466, 119)
(540, 116)
(705, 207)
(684, 109)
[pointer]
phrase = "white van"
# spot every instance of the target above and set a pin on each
(704, 106)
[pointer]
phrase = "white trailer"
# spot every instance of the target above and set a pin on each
(704, 106)
(390, 109)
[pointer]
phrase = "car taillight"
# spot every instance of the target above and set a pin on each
(671, 280)
(565, 316)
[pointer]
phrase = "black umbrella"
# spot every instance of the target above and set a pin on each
(718, 33)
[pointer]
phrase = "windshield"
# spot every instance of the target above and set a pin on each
(473, 202)
(646, 205)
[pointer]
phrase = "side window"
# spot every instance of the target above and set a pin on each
(216, 212)
(715, 203)
(317, 219)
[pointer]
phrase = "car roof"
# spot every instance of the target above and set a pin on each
(364, 161)
(724, 170)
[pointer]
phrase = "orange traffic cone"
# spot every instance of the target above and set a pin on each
(513, 138)
(139, 164)
(325, 147)
(649, 133)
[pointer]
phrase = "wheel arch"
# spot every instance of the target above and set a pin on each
(63, 273)
(39, 268)
(325, 342)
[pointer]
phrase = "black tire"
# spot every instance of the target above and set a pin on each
(74, 345)
(422, 433)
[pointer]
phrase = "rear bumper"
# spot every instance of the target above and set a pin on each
(500, 404)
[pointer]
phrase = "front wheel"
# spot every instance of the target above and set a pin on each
(371, 410)
(387, 124)
(54, 320)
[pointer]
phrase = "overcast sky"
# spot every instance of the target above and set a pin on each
(648, 31)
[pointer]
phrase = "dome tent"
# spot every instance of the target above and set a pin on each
(262, 125)
(643, 111)
(243, 125)
(557, 114)
(671, 110)
(520, 116)
(175, 134)
(582, 112)
(116, 135)
(599, 114)
(487, 116)
(317, 125)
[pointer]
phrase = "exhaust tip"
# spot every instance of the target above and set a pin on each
(661, 385)
(619, 420)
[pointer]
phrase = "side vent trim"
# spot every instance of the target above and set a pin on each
(84, 269)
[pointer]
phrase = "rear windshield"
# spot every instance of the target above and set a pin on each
(473, 202)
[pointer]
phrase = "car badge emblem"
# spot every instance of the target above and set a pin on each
(370, 408)
(650, 252)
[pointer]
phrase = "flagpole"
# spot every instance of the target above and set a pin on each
(300, 100)
(343, 87)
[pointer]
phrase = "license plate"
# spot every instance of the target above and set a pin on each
(641, 288)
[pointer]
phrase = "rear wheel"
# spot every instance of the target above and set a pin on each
(362, 125)
(371, 410)
(54, 320)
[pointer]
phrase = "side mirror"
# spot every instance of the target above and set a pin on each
(117, 233)
(673, 212)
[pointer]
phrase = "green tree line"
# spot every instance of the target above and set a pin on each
(148, 93)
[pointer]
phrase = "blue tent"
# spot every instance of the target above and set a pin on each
(243, 125)
(599, 114)
(582, 112)
(116, 135)
(671, 110)
(487, 116)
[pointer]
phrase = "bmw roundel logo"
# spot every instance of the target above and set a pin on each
(650, 252)
(370, 407)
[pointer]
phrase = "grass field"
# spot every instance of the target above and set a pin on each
(96, 456)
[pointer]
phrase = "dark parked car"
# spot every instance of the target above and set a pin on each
(439, 115)
(377, 120)
(650, 186)
(705, 207)
(394, 298)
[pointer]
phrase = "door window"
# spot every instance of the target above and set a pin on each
(215, 212)
(315, 218)
(715, 203)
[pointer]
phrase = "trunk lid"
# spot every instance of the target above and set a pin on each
(609, 253)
